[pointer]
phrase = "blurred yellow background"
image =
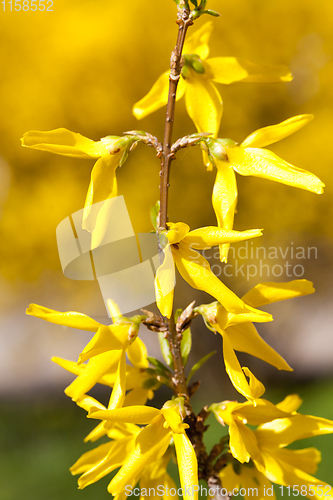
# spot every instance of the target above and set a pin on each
(82, 67)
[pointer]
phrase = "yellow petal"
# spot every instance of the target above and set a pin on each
(281, 472)
(70, 366)
(235, 69)
(264, 411)
(173, 419)
(157, 97)
(64, 142)
(237, 445)
(150, 445)
(267, 293)
(226, 319)
(224, 200)
(135, 377)
(100, 220)
(177, 232)
(91, 458)
(101, 187)
(131, 414)
(197, 43)
(274, 133)
(264, 163)
(207, 237)
(234, 370)
(164, 284)
(283, 431)
(203, 103)
(137, 354)
(119, 389)
(290, 404)
(306, 459)
(245, 338)
(113, 459)
(98, 432)
(88, 402)
(187, 465)
(195, 269)
(107, 338)
(137, 397)
(92, 373)
(70, 318)
(114, 310)
(256, 386)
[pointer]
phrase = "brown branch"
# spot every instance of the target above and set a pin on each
(172, 335)
(184, 22)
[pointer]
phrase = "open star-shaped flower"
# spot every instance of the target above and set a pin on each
(110, 152)
(278, 426)
(250, 159)
(197, 82)
(192, 266)
(239, 333)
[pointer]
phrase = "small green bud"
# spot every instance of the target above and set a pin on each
(185, 72)
(217, 151)
(198, 66)
(194, 62)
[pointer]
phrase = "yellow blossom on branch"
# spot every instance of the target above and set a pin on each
(107, 350)
(278, 426)
(110, 152)
(249, 159)
(152, 442)
(197, 82)
(239, 333)
(192, 266)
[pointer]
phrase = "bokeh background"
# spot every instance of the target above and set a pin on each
(82, 67)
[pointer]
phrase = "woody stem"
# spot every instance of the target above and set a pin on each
(183, 22)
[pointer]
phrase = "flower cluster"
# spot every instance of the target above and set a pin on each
(142, 439)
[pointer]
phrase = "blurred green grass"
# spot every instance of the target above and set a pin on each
(42, 437)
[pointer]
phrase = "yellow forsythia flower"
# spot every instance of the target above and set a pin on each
(152, 442)
(239, 333)
(278, 426)
(203, 100)
(107, 350)
(110, 152)
(193, 267)
(249, 159)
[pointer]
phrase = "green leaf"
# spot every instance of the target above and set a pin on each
(165, 349)
(154, 211)
(195, 3)
(199, 364)
(158, 365)
(149, 383)
(186, 345)
(211, 13)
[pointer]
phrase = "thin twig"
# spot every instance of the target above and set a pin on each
(183, 22)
